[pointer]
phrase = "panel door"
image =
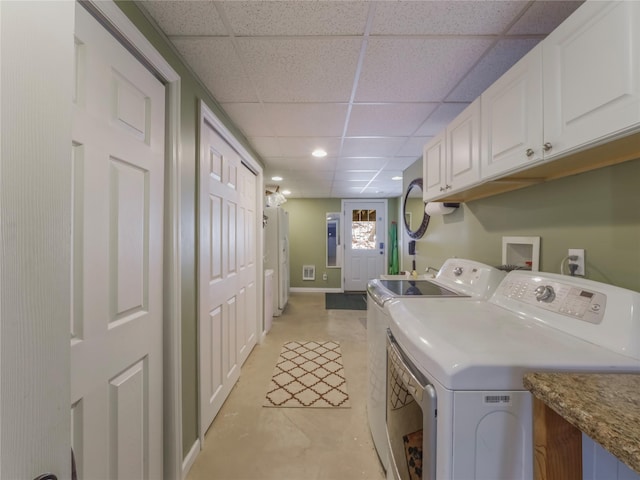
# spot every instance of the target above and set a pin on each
(365, 232)
(512, 118)
(221, 303)
(249, 299)
(116, 322)
(591, 67)
(433, 168)
(463, 148)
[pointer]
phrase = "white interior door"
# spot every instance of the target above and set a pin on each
(249, 299)
(228, 303)
(116, 322)
(365, 242)
(35, 90)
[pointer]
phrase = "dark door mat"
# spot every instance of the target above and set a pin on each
(345, 301)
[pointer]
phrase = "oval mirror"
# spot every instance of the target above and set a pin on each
(415, 218)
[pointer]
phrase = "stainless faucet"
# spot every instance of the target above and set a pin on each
(431, 268)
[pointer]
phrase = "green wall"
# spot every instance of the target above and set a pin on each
(598, 211)
(191, 93)
(307, 238)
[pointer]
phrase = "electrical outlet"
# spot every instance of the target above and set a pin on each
(324, 276)
(579, 253)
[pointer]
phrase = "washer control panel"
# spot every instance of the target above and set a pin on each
(569, 300)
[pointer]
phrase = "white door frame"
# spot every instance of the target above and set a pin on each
(343, 227)
(119, 24)
(206, 114)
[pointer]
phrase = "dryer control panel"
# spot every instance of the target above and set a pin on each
(570, 300)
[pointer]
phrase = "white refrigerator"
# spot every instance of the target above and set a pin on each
(276, 255)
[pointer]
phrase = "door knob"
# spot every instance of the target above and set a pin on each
(529, 152)
(547, 146)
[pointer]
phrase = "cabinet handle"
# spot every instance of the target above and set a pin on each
(442, 189)
(448, 187)
(547, 146)
(529, 152)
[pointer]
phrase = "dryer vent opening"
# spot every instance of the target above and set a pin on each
(308, 272)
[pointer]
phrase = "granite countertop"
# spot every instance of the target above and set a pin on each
(606, 407)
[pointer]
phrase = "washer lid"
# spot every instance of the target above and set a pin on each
(474, 345)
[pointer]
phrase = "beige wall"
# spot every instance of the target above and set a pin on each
(598, 211)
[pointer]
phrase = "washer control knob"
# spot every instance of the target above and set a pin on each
(457, 271)
(545, 293)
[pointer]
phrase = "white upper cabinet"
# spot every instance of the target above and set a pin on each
(551, 114)
(512, 118)
(433, 168)
(451, 161)
(591, 76)
(463, 148)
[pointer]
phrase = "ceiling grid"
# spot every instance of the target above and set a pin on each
(369, 81)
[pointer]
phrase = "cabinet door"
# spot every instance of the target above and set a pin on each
(463, 148)
(433, 168)
(591, 66)
(512, 118)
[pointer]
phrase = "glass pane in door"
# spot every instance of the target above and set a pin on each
(363, 230)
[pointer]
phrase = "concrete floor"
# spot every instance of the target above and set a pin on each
(248, 441)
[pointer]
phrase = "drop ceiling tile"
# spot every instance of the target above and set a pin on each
(387, 177)
(392, 119)
(186, 18)
(222, 72)
(316, 189)
(266, 146)
(416, 69)
(299, 164)
(307, 119)
(444, 18)
(499, 59)
(413, 147)
(250, 118)
(286, 18)
(300, 176)
(303, 146)
(543, 17)
(361, 163)
(356, 175)
(385, 185)
(353, 186)
(403, 162)
(371, 146)
(442, 116)
(302, 69)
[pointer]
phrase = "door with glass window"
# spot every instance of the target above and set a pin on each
(365, 251)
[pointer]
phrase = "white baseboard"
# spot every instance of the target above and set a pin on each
(312, 290)
(189, 460)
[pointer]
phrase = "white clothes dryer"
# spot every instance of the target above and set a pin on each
(457, 279)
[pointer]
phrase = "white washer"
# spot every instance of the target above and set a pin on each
(457, 279)
(470, 357)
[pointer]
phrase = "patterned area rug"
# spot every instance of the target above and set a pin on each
(308, 374)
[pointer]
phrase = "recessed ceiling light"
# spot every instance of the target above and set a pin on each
(392, 178)
(276, 179)
(286, 192)
(319, 153)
